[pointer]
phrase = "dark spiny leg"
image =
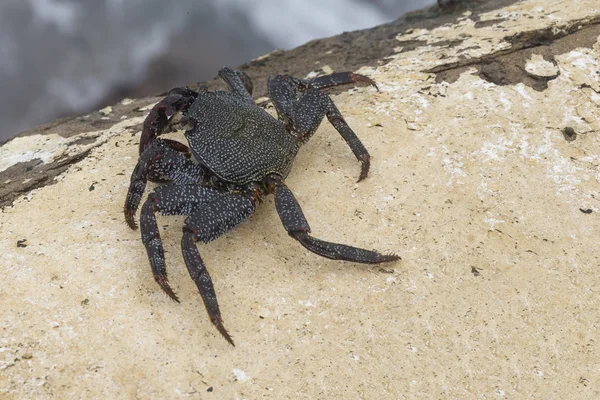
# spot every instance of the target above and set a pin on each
(305, 116)
(338, 78)
(283, 88)
(201, 277)
(327, 81)
(157, 172)
(297, 227)
(154, 248)
(283, 92)
(169, 199)
(238, 82)
(178, 99)
(162, 159)
(248, 85)
(205, 225)
(360, 152)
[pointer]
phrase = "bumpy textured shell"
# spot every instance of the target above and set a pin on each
(237, 140)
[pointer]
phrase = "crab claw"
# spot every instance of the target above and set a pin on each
(178, 99)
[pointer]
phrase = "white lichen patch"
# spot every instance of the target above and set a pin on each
(26, 148)
(48, 148)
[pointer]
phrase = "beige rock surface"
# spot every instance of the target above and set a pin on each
(473, 183)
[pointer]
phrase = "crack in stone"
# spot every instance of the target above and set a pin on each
(507, 67)
(22, 177)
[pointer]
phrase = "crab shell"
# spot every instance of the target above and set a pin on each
(237, 141)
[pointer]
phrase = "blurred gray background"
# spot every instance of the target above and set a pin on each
(65, 57)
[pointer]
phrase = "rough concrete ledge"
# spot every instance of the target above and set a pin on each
(485, 178)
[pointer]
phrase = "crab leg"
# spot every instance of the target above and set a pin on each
(160, 161)
(169, 199)
(238, 82)
(201, 277)
(360, 152)
(283, 91)
(309, 122)
(327, 81)
(303, 116)
(205, 225)
(154, 248)
(297, 227)
(339, 78)
(211, 214)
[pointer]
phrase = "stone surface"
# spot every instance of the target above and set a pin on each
(493, 207)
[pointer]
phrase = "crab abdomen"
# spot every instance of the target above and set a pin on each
(239, 142)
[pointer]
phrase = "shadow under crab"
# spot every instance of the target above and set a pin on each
(242, 154)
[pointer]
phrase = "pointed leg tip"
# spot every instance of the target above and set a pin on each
(164, 284)
(171, 294)
(132, 225)
(390, 257)
(364, 170)
(218, 323)
(365, 79)
(130, 220)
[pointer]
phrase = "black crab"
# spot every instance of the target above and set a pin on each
(241, 154)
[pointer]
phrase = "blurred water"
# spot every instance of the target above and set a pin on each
(61, 57)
